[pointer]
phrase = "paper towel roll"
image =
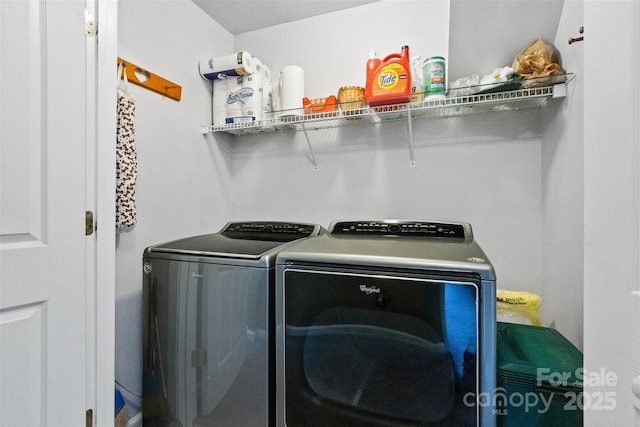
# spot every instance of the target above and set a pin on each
(234, 65)
(291, 87)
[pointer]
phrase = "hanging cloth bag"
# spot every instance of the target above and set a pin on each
(126, 156)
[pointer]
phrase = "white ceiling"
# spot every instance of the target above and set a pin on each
(239, 16)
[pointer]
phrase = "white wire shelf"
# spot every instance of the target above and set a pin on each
(485, 101)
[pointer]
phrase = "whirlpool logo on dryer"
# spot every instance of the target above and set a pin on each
(369, 289)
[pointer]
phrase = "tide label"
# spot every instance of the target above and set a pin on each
(391, 79)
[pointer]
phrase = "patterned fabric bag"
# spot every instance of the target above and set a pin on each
(126, 156)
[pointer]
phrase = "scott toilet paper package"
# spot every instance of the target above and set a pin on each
(236, 96)
(243, 102)
(244, 93)
(220, 91)
(238, 81)
(253, 86)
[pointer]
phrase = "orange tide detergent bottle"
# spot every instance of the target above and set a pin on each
(388, 79)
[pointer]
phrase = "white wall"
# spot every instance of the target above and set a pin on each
(333, 48)
(183, 185)
(483, 169)
(563, 190)
(488, 34)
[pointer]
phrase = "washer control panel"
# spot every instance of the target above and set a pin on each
(403, 228)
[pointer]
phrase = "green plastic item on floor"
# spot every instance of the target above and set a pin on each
(539, 378)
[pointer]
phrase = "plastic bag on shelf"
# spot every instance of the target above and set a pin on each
(464, 86)
(539, 59)
(518, 307)
(497, 79)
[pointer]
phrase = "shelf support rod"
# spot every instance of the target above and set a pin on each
(411, 155)
(311, 155)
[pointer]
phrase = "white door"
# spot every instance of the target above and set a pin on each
(612, 215)
(42, 207)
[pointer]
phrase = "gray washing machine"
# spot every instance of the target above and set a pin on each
(208, 332)
(386, 324)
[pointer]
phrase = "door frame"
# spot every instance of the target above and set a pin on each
(101, 182)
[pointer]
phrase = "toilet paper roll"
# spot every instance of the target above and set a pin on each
(291, 85)
(220, 92)
(252, 103)
(234, 65)
(267, 90)
(235, 99)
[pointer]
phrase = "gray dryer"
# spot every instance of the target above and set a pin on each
(386, 324)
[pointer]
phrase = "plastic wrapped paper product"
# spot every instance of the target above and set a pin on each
(539, 59)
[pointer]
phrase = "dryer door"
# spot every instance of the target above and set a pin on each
(379, 349)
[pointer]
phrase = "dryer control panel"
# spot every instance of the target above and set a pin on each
(270, 230)
(403, 228)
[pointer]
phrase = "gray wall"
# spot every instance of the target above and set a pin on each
(563, 191)
(183, 185)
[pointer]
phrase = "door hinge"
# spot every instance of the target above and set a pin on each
(88, 223)
(89, 23)
(89, 418)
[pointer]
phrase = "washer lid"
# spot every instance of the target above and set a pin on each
(240, 239)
